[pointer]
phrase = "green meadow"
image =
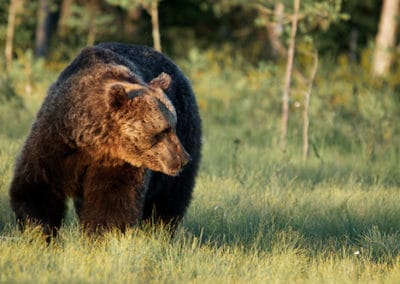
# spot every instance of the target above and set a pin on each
(259, 214)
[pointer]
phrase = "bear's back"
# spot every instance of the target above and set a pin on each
(146, 61)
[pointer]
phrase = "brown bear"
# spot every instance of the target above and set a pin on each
(119, 132)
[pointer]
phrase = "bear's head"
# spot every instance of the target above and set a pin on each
(145, 120)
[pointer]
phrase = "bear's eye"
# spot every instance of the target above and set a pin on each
(159, 136)
(135, 93)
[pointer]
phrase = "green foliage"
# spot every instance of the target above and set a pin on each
(320, 15)
(349, 112)
(25, 24)
(29, 76)
(81, 20)
(7, 91)
(3, 20)
(132, 4)
(198, 23)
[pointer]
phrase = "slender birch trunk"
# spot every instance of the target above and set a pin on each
(307, 96)
(386, 38)
(92, 7)
(276, 29)
(153, 11)
(288, 76)
(10, 32)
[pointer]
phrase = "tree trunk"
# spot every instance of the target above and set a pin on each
(65, 13)
(91, 38)
(353, 45)
(275, 30)
(93, 8)
(155, 25)
(10, 31)
(131, 23)
(307, 97)
(46, 24)
(288, 76)
(41, 37)
(386, 38)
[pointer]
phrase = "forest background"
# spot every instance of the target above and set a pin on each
(300, 104)
(333, 38)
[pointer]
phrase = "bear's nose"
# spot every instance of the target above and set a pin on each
(182, 156)
(185, 158)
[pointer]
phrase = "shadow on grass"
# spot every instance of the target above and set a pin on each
(335, 230)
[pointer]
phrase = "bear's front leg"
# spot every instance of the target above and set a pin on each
(37, 203)
(112, 197)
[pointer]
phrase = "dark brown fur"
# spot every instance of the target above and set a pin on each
(111, 141)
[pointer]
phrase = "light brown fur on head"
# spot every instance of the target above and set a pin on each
(154, 89)
(157, 85)
(126, 121)
(142, 126)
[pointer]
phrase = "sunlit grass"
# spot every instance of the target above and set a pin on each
(139, 256)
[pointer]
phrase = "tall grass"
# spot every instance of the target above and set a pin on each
(258, 214)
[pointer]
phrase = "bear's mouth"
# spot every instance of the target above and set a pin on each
(174, 173)
(175, 167)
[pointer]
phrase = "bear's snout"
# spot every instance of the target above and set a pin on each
(175, 163)
(183, 156)
(168, 156)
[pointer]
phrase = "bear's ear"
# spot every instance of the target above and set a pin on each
(117, 96)
(162, 81)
